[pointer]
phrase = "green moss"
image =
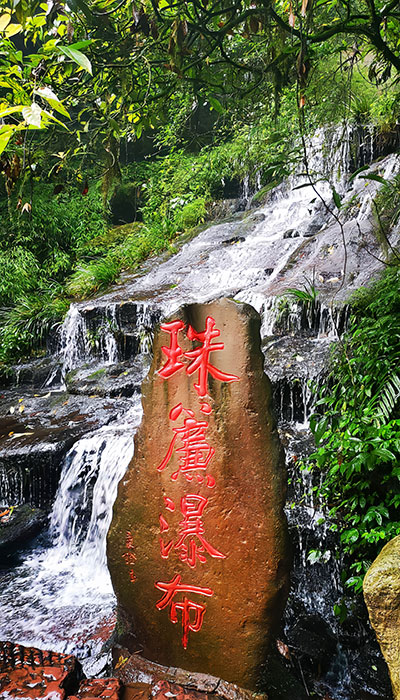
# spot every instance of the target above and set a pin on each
(97, 374)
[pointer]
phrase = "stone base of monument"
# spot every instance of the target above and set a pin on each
(146, 680)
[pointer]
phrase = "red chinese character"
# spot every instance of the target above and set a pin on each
(191, 542)
(200, 357)
(195, 453)
(132, 576)
(129, 540)
(174, 351)
(186, 606)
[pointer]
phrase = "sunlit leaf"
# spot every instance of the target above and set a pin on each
(6, 132)
(12, 29)
(11, 110)
(4, 21)
(76, 56)
(47, 94)
(33, 115)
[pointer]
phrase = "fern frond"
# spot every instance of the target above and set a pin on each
(386, 401)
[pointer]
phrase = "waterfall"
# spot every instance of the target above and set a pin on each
(63, 590)
(74, 343)
(106, 334)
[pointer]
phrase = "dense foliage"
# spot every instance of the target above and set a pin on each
(357, 428)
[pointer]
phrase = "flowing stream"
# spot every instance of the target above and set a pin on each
(61, 595)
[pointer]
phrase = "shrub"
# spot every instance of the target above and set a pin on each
(191, 214)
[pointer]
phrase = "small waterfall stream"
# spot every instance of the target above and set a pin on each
(61, 595)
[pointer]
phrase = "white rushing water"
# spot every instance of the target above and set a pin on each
(61, 596)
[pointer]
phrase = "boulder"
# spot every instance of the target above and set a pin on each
(198, 536)
(382, 597)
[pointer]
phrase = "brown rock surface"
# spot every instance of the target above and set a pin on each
(239, 556)
(382, 597)
(102, 688)
(26, 672)
(140, 676)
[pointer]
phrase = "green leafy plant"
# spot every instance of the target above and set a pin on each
(356, 429)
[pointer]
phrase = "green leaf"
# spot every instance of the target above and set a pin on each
(76, 56)
(78, 45)
(336, 198)
(386, 454)
(11, 110)
(81, 5)
(376, 178)
(6, 132)
(215, 104)
(46, 94)
(358, 171)
(48, 116)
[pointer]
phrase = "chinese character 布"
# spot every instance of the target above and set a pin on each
(192, 613)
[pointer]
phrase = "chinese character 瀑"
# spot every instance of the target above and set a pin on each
(195, 452)
(190, 622)
(201, 357)
(191, 543)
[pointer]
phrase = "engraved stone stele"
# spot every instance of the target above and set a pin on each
(198, 546)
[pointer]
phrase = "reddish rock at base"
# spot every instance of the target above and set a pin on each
(26, 672)
(140, 677)
(165, 691)
(221, 574)
(103, 688)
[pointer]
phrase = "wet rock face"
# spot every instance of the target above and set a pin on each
(198, 536)
(35, 434)
(382, 597)
(18, 526)
(26, 672)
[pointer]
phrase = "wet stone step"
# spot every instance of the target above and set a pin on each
(123, 379)
(36, 431)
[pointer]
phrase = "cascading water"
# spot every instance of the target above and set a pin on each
(62, 590)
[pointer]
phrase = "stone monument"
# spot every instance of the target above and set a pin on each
(198, 547)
